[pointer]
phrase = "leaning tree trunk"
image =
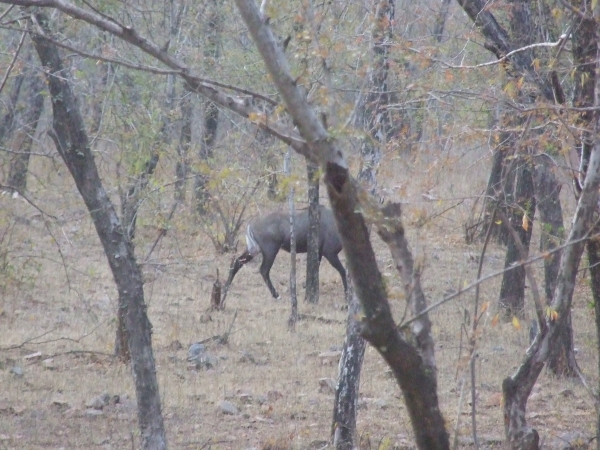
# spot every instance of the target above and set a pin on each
(73, 146)
(312, 238)
(411, 360)
(375, 121)
(23, 138)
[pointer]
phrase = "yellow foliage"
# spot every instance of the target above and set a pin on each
(516, 323)
(485, 307)
(551, 314)
(525, 223)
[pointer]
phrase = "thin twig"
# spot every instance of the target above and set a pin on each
(162, 232)
(499, 60)
(12, 63)
(7, 187)
(490, 276)
(458, 413)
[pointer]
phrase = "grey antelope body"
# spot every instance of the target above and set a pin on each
(270, 233)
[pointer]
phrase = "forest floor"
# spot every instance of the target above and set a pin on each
(57, 322)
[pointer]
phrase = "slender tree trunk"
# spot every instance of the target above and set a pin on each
(512, 291)
(209, 136)
(183, 148)
(347, 389)
(547, 186)
(19, 164)
(211, 111)
(313, 256)
(440, 20)
(72, 143)
(7, 125)
(499, 183)
(293, 297)
(374, 116)
(99, 87)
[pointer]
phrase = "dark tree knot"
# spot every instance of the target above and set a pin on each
(336, 176)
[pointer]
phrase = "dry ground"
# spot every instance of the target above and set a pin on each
(58, 299)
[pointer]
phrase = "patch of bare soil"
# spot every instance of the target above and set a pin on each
(266, 388)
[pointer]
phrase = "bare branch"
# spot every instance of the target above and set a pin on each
(31, 202)
(206, 88)
(12, 63)
(492, 275)
(502, 59)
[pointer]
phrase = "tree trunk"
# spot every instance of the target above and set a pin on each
(209, 136)
(183, 148)
(312, 238)
(19, 164)
(593, 254)
(73, 145)
(411, 360)
(8, 121)
(440, 21)
(293, 297)
(547, 187)
(375, 121)
(512, 291)
(347, 389)
(99, 87)
(500, 182)
(211, 111)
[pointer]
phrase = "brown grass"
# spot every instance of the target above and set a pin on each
(58, 298)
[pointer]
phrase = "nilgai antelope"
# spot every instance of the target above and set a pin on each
(270, 233)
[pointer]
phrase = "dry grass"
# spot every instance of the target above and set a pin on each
(62, 303)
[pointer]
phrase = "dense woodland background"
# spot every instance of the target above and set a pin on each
(149, 134)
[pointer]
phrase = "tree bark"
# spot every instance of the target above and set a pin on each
(547, 186)
(293, 297)
(23, 139)
(211, 111)
(7, 124)
(73, 145)
(512, 291)
(209, 136)
(313, 256)
(345, 404)
(375, 119)
(440, 21)
(183, 148)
